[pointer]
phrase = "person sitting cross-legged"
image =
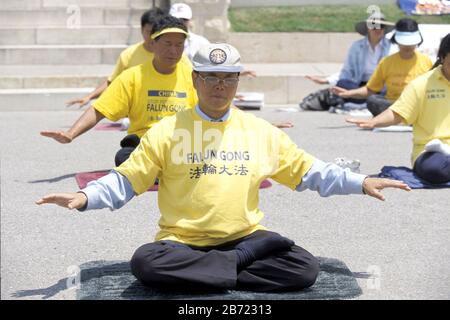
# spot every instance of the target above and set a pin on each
(210, 161)
(424, 104)
(394, 72)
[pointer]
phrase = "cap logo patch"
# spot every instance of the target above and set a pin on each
(217, 56)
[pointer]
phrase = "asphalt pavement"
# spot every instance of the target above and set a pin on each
(397, 249)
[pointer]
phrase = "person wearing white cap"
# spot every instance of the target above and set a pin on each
(210, 161)
(134, 55)
(145, 93)
(424, 104)
(393, 72)
(362, 59)
(194, 41)
(363, 55)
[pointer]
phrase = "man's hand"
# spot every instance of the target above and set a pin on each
(60, 136)
(82, 101)
(250, 73)
(318, 80)
(362, 123)
(67, 200)
(373, 186)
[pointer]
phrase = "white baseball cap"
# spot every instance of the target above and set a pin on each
(217, 57)
(181, 11)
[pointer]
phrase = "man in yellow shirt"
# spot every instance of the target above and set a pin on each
(132, 56)
(210, 161)
(424, 104)
(393, 72)
(145, 93)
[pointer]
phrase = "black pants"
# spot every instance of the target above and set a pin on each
(128, 144)
(171, 264)
(433, 167)
(377, 103)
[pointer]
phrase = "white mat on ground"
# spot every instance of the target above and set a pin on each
(249, 100)
(394, 129)
(360, 113)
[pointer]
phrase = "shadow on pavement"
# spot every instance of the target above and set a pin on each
(63, 177)
(56, 179)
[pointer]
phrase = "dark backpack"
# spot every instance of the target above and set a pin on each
(321, 100)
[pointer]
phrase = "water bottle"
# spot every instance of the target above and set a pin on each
(353, 165)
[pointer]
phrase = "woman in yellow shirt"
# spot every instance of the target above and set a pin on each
(393, 72)
(425, 104)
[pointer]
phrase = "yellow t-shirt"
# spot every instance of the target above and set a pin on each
(133, 56)
(425, 103)
(396, 73)
(210, 172)
(145, 96)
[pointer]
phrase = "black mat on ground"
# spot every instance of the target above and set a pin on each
(105, 280)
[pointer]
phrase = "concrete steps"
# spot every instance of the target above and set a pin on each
(65, 18)
(59, 54)
(43, 4)
(93, 35)
(55, 50)
(68, 31)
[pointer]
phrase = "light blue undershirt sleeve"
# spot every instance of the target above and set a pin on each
(329, 179)
(111, 191)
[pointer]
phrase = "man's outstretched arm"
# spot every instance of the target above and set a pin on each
(86, 122)
(111, 191)
(330, 179)
(93, 95)
(384, 119)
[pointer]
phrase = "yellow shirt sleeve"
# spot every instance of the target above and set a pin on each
(293, 162)
(118, 69)
(145, 162)
(376, 81)
(116, 100)
(408, 104)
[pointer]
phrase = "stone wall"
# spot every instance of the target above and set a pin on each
(210, 18)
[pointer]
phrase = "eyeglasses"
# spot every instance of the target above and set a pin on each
(214, 81)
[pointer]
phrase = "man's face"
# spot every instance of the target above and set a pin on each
(168, 49)
(186, 22)
(146, 31)
(407, 49)
(215, 90)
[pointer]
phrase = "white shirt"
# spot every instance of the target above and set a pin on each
(193, 43)
(373, 57)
